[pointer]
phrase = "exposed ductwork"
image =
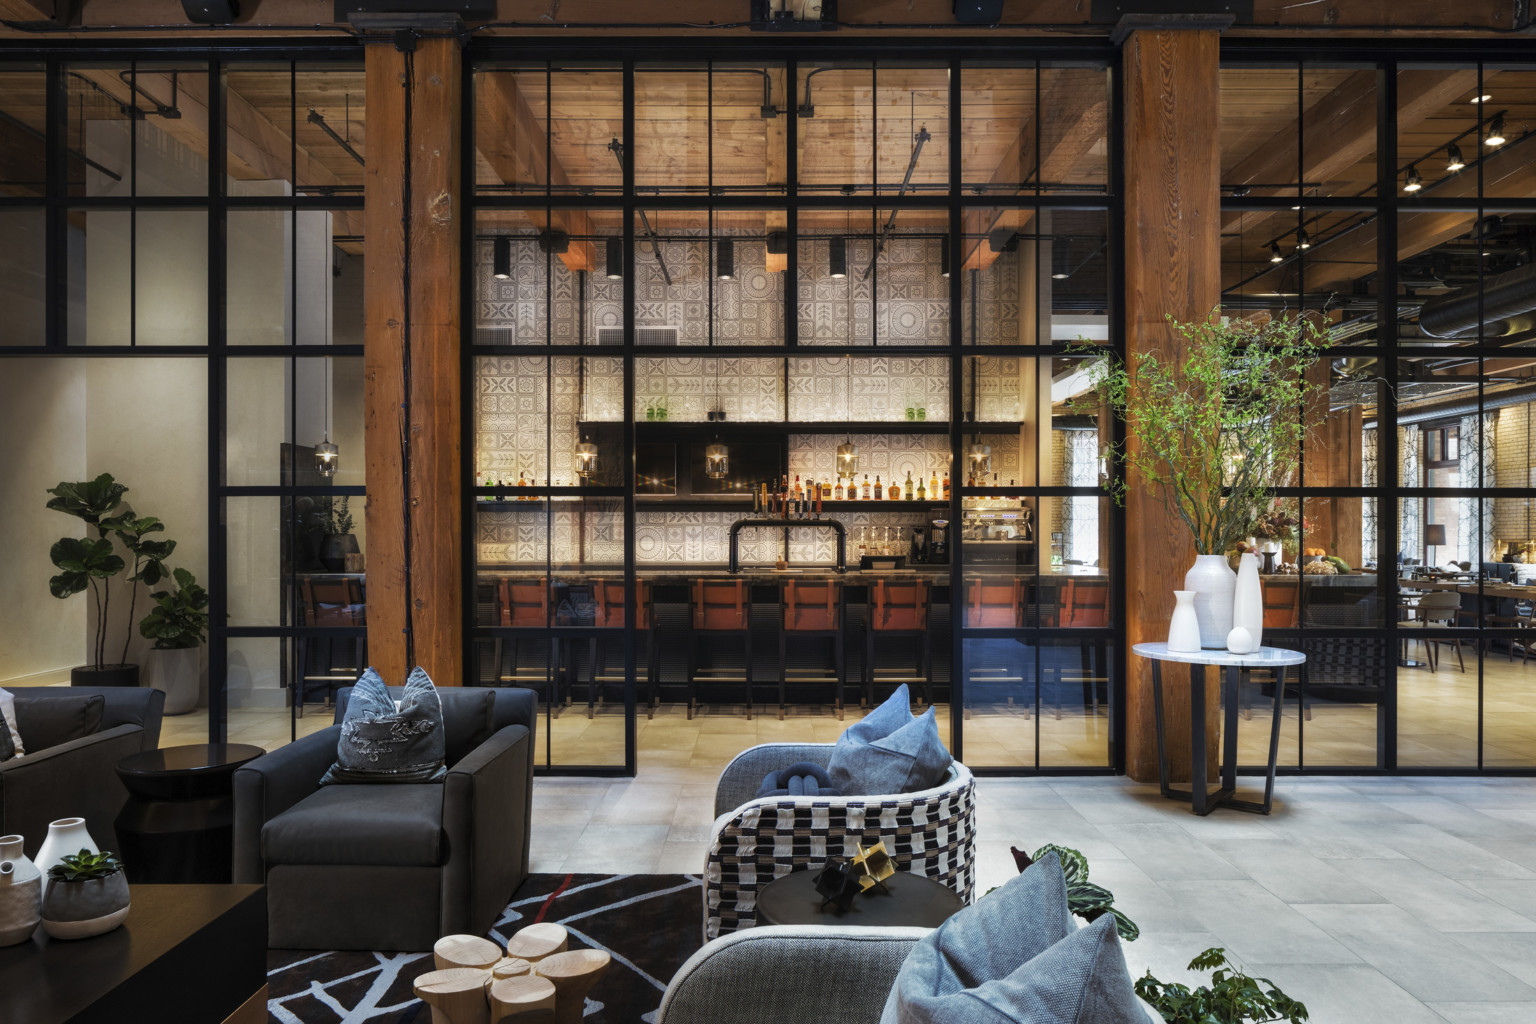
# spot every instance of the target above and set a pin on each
(1461, 406)
(1504, 298)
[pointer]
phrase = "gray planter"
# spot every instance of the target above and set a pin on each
(78, 910)
(334, 552)
(107, 675)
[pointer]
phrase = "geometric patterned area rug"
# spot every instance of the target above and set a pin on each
(649, 924)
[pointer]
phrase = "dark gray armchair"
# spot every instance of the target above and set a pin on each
(76, 777)
(391, 866)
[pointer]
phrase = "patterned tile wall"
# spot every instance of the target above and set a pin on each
(750, 390)
(518, 428)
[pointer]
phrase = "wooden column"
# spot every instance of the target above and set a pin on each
(1172, 267)
(411, 360)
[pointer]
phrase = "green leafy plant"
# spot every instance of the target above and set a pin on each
(87, 564)
(335, 515)
(1085, 899)
(179, 619)
(1215, 430)
(85, 866)
(1232, 997)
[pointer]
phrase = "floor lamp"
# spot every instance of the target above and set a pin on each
(1434, 536)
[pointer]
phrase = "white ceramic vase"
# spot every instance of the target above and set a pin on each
(1248, 601)
(65, 836)
(1213, 581)
(176, 673)
(21, 893)
(1184, 627)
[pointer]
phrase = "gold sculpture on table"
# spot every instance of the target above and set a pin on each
(874, 865)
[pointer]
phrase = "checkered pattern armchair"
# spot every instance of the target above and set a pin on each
(931, 832)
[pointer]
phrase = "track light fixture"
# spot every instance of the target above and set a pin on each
(1411, 180)
(1274, 253)
(944, 256)
(501, 257)
(1453, 160)
(614, 259)
(725, 260)
(1302, 241)
(837, 256)
(1495, 133)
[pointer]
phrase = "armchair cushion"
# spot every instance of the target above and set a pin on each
(381, 742)
(49, 721)
(376, 825)
(890, 751)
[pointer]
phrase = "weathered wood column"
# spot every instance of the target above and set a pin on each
(1172, 267)
(411, 358)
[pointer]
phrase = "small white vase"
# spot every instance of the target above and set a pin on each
(176, 673)
(1184, 627)
(65, 836)
(21, 893)
(1248, 600)
(1240, 642)
(1213, 581)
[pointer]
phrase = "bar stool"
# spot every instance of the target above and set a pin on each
(809, 611)
(338, 662)
(608, 598)
(720, 608)
(1085, 605)
(899, 609)
(995, 603)
(524, 604)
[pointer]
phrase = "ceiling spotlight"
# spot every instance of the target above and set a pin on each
(1453, 160)
(725, 260)
(1496, 132)
(837, 256)
(501, 257)
(1296, 207)
(614, 259)
(1274, 253)
(1302, 241)
(1484, 98)
(1411, 181)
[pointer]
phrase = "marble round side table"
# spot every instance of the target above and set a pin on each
(1201, 800)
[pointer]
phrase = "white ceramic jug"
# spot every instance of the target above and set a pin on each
(65, 836)
(21, 893)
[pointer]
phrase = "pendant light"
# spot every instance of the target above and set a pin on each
(1411, 180)
(1061, 260)
(847, 452)
(1453, 160)
(614, 270)
(1302, 241)
(725, 260)
(980, 455)
(501, 257)
(587, 461)
(837, 256)
(1274, 253)
(1495, 137)
(717, 457)
(327, 455)
(944, 256)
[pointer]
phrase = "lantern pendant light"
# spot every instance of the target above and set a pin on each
(327, 455)
(717, 457)
(587, 462)
(847, 452)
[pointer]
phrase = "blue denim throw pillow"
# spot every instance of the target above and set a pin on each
(890, 751)
(1015, 955)
(803, 778)
(382, 743)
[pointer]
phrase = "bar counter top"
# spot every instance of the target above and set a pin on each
(684, 572)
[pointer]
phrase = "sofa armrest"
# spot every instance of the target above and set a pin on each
(807, 974)
(73, 779)
(270, 785)
(487, 798)
(742, 777)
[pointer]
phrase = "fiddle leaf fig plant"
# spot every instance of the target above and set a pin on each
(1232, 997)
(179, 619)
(85, 866)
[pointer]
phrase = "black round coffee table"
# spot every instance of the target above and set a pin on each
(912, 901)
(178, 823)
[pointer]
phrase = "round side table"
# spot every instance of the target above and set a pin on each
(178, 823)
(1201, 801)
(913, 900)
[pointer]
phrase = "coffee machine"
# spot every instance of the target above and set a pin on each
(938, 541)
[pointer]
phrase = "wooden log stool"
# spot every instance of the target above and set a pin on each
(510, 967)
(452, 951)
(456, 995)
(528, 999)
(573, 974)
(538, 941)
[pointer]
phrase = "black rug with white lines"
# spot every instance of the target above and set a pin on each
(649, 924)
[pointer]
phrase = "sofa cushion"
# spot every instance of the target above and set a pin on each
(48, 721)
(10, 738)
(803, 778)
(1015, 956)
(890, 751)
(469, 719)
(383, 742)
(361, 824)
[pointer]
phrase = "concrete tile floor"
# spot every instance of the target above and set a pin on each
(1398, 900)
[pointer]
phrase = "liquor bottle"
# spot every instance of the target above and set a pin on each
(894, 491)
(799, 491)
(907, 492)
(922, 490)
(499, 495)
(819, 488)
(866, 487)
(863, 544)
(946, 485)
(837, 492)
(933, 487)
(879, 490)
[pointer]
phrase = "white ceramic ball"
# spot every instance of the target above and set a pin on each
(1240, 641)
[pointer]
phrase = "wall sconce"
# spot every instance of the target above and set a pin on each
(614, 259)
(717, 461)
(981, 459)
(586, 460)
(837, 256)
(501, 257)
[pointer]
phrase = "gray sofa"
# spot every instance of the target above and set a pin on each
(391, 866)
(76, 778)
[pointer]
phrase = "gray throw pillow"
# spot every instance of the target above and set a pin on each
(1015, 956)
(890, 751)
(49, 721)
(382, 743)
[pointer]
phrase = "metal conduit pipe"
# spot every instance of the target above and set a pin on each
(1506, 296)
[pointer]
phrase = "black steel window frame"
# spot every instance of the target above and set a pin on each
(624, 57)
(1384, 207)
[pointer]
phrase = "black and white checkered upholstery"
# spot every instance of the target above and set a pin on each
(931, 832)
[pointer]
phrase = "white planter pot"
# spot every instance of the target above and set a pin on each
(1248, 601)
(1213, 582)
(65, 836)
(178, 675)
(1184, 627)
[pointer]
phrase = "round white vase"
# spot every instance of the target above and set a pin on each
(176, 673)
(1184, 626)
(1248, 601)
(21, 893)
(65, 836)
(1213, 582)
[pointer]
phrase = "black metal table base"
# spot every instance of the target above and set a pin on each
(1203, 800)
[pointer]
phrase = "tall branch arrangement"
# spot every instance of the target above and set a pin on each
(1214, 431)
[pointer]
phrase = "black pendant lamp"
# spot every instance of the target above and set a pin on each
(614, 259)
(501, 257)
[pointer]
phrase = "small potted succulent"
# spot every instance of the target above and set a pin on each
(87, 895)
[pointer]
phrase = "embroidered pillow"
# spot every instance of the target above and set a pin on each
(384, 742)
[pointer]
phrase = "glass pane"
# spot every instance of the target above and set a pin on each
(1002, 278)
(540, 131)
(1001, 696)
(268, 675)
(686, 390)
(1338, 130)
(1259, 138)
(523, 439)
(837, 128)
(99, 130)
(911, 139)
(279, 410)
(23, 121)
(1074, 130)
(23, 268)
(999, 128)
(1437, 135)
(260, 96)
(1329, 536)
(329, 130)
(1341, 700)
(864, 389)
(264, 535)
(170, 278)
(293, 278)
(873, 278)
(529, 285)
(710, 127)
(1505, 115)
(170, 146)
(1076, 687)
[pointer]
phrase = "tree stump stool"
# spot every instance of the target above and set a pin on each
(457, 995)
(573, 974)
(538, 941)
(528, 999)
(452, 951)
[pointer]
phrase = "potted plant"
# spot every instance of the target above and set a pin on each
(1233, 998)
(1084, 899)
(339, 540)
(89, 563)
(178, 624)
(1212, 433)
(87, 895)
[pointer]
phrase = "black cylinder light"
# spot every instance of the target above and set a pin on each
(725, 260)
(615, 259)
(501, 257)
(837, 256)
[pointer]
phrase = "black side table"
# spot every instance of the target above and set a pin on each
(912, 900)
(178, 824)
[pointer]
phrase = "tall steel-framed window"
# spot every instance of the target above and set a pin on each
(610, 188)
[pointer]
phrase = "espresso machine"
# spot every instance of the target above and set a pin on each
(938, 542)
